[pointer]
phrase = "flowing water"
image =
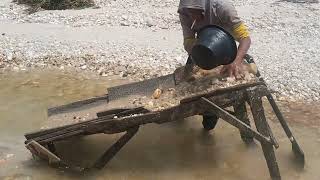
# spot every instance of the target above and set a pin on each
(178, 150)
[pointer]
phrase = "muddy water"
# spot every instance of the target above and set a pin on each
(179, 150)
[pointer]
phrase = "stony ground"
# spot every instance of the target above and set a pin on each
(142, 39)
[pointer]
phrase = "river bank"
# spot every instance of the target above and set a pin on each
(139, 40)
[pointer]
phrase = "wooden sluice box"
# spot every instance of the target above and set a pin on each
(204, 95)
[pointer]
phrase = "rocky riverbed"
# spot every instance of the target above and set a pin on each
(139, 39)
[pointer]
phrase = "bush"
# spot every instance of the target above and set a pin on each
(35, 5)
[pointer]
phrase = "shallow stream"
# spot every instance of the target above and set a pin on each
(178, 150)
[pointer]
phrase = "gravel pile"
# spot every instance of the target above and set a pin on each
(154, 15)
(146, 40)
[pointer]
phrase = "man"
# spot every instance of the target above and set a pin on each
(195, 14)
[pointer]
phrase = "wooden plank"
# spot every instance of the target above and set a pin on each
(43, 153)
(54, 130)
(124, 112)
(106, 115)
(234, 121)
(107, 124)
(111, 112)
(121, 124)
(222, 91)
(60, 137)
(99, 125)
(77, 104)
(261, 124)
(241, 113)
(115, 148)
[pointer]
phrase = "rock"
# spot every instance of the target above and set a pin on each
(124, 23)
(215, 81)
(230, 79)
(84, 67)
(149, 22)
(124, 74)
(9, 56)
(157, 93)
(150, 104)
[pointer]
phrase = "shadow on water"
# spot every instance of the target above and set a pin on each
(179, 150)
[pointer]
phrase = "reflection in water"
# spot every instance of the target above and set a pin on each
(178, 150)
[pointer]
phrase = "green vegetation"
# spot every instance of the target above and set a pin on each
(36, 5)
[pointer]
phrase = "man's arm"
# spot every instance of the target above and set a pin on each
(241, 34)
(229, 18)
(188, 33)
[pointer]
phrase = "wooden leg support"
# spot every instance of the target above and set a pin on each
(262, 127)
(115, 148)
(241, 113)
(210, 106)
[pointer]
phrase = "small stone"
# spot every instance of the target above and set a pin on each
(157, 93)
(231, 79)
(135, 101)
(9, 56)
(124, 23)
(124, 17)
(178, 58)
(124, 74)
(104, 74)
(149, 22)
(150, 104)
(215, 81)
(84, 67)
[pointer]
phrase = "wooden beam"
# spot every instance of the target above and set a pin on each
(233, 120)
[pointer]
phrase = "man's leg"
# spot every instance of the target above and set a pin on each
(209, 121)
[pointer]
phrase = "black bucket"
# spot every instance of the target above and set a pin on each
(214, 47)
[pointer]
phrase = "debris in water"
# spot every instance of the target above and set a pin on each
(9, 156)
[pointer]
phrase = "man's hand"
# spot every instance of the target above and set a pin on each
(184, 73)
(234, 69)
